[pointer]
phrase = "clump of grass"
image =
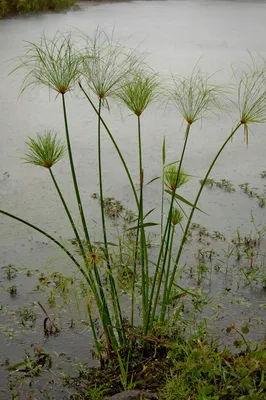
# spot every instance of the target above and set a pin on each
(58, 65)
(223, 184)
(12, 290)
(201, 371)
(27, 317)
(252, 192)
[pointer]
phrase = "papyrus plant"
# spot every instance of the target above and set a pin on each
(59, 65)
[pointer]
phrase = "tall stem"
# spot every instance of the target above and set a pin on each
(84, 224)
(49, 237)
(162, 187)
(134, 274)
(144, 281)
(114, 294)
(164, 304)
(114, 143)
(184, 238)
(164, 251)
(69, 217)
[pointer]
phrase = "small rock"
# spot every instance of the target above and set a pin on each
(133, 395)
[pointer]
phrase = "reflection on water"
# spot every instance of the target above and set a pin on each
(176, 34)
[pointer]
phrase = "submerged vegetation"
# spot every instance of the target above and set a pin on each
(13, 7)
(133, 291)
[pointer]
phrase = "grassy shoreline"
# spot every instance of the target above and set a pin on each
(10, 8)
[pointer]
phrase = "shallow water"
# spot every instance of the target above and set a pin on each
(176, 34)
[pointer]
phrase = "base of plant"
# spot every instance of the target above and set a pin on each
(175, 368)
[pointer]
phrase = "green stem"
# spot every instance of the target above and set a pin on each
(184, 238)
(92, 324)
(69, 217)
(88, 279)
(134, 275)
(164, 304)
(49, 237)
(164, 251)
(144, 280)
(74, 176)
(114, 143)
(114, 294)
(100, 299)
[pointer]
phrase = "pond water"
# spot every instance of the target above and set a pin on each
(176, 35)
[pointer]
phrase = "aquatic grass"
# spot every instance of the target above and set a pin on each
(137, 93)
(106, 64)
(47, 140)
(250, 82)
(194, 97)
(55, 63)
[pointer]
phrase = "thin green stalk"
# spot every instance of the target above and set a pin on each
(164, 304)
(69, 217)
(184, 238)
(162, 191)
(115, 144)
(104, 311)
(134, 275)
(105, 317)
(92, 324)
(101, 301)
(163, 251)
(144, 277)
(49, 237)
(114, 294)
(74, 176)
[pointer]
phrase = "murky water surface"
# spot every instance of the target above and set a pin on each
(176, 34)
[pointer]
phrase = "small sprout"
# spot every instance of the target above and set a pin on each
(94, 258)
(173, 179)
(12, 290)
(263, 174)
(177, 216)
(45, 151)
(10, 271)
(245, 329)
(27, 317)
(261, 201)
(222, 184)
(112, 207)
